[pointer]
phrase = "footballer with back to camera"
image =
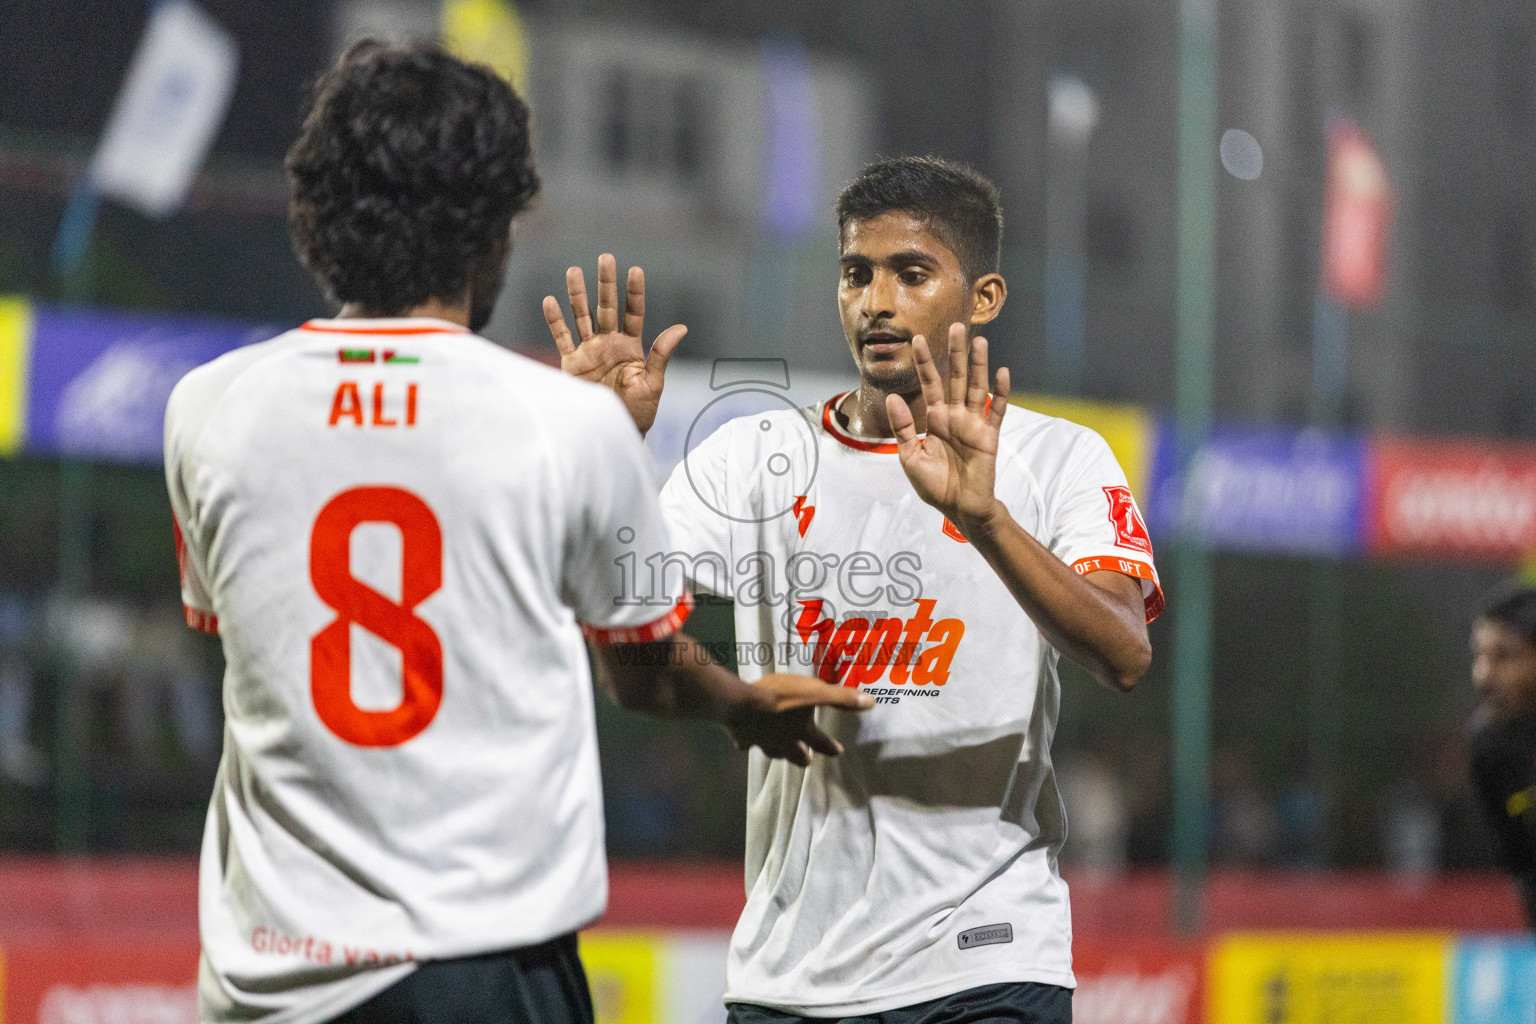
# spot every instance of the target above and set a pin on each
(406, 538)
(914, 879)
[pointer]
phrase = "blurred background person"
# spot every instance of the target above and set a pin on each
(1504, 731)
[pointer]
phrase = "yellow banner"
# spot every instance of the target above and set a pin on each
(622, 968)
(1128, 429)
(15, 360)
(488, 32)
(1305, 978)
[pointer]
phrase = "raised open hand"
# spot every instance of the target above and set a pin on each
(780, 717)
(953, 468)
(608, 355)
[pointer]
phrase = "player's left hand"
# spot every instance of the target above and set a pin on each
(608, 355)
(953, 468)
(779, 716)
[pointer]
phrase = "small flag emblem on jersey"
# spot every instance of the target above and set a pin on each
(356, 355)
(394, 358)
(953, 532)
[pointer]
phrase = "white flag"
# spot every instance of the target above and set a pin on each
(169, 111)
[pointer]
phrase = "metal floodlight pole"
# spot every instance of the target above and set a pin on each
(1194, 585)
(1325, 609)
(1073, 115)
(71, 777)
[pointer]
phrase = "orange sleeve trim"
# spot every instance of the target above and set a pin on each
(656, 629)
(1136, 570)
(203, 622)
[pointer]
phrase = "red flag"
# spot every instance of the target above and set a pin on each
(1357, 219)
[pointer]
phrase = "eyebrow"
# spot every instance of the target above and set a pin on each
(904, 258)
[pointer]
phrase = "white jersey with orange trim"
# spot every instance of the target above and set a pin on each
(401, 532)
(922, 862)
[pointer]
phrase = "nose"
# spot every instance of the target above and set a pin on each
(879, 298)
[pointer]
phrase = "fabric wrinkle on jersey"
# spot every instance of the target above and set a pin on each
(368, 511)
(921, 862)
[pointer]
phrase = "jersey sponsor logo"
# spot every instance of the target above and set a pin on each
(953, 532)
(272, 942)
(347, 404)
(858, 652)
(986, 935)
(1130, 531)
(803, 513)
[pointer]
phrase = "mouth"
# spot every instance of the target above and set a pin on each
(883, 343)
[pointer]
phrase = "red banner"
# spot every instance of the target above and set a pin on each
(100, 982)
(1357, 217)
(1461, 498)
(1121, 982)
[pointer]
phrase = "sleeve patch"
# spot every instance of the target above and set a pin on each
(656, 629)
(1130, 530)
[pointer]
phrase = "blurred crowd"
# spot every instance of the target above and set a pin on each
(134, 697)
(1425, 820)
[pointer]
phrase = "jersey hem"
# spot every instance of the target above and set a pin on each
(910, 996)
(656, 629)
(337, 1003)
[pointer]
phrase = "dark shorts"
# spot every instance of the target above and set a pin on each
(543, 984)
(1023, 1002)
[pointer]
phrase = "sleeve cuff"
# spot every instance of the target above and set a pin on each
(1152, 598)
(203, 622)
(656, 629)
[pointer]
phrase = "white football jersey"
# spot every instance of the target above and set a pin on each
(921, 862)
(401, 532)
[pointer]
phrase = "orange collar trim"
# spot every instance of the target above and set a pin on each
(829, 423)
(412, 326)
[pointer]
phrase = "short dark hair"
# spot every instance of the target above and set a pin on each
(406, 175)
(1513, 607)
(958, 204)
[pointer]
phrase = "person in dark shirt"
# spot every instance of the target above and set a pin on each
(1503, 731)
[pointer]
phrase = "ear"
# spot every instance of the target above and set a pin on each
(987, 297)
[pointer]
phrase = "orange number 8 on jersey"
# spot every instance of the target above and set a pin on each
(330, 652)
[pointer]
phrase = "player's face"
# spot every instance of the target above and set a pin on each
(898, 281)
(1503, 669)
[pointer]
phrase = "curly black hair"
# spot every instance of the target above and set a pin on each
(406, 176)
(958, 204)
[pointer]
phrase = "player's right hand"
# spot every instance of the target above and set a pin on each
(779, 716)
(608, 355)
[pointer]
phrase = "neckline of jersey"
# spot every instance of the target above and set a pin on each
(885, 446)
(391, 326)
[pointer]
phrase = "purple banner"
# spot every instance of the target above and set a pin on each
(99, 380)
(1295, 492)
